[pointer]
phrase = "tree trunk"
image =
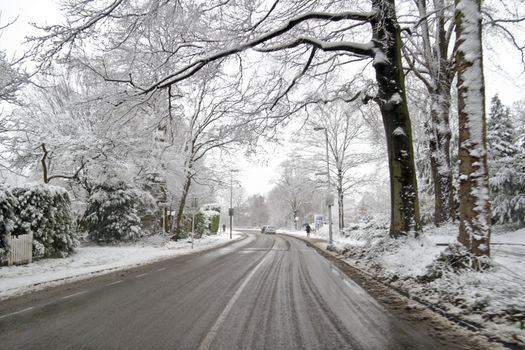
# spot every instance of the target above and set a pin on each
(441, 74)
(394, 110)
(43, 161)
(340, 199)
(474, 207)
(439, 143)
(180, 212)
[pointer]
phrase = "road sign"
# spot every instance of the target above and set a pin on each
(329, 198)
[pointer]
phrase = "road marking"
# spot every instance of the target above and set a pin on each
(75, 294)
(161, 269)
(17, 312)
(206, 343)
(113, 283)
(141, 275)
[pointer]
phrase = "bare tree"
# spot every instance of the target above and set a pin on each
(430, 53)
(294, 190)
(347, 132)
(257, 210)
(318, 34)
(208, 119)
(431, 57)
(64, 131)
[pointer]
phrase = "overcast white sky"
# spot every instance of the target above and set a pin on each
(255, 177)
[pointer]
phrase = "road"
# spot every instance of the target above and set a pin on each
(264, 292)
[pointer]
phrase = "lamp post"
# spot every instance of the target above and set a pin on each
(230, 210)
(329, 197)
(194, 208)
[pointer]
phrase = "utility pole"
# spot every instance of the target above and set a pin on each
(230, 210)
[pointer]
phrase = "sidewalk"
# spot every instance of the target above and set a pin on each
(93, 260)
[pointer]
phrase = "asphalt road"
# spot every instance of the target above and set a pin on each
(264, 292)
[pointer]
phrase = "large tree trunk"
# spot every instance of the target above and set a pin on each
(474, 207)
(441, 74)
(440, 161)
(439, 143)
(394, 110)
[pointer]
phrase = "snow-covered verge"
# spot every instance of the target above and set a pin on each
(89, 261)
(492, 301)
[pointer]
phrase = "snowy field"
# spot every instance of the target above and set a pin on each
(492, 301)
(89, 261)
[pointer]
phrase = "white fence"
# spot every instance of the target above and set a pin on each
(21, 249)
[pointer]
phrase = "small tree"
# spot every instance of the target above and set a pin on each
(345, 130)
(507, 167)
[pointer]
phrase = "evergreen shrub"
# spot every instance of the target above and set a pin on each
(7, 220)
(113, 212)
(44, 211)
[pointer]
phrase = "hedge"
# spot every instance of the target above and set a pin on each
(44, 211)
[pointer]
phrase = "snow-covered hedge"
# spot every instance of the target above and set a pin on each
(206, 221)
(7, 220)
(42, 210)
(113, 212)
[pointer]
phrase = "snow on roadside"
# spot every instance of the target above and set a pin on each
(493, 300)
(89, 261)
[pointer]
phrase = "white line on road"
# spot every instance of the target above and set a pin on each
(74, 294)
(17, 312)
(206, 343)
(113, 283)
(161, 269)
(141, 275)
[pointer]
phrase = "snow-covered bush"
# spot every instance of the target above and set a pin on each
(207, 222)
(113, 212)
(7, 220)
(455, 258)
(44, 211)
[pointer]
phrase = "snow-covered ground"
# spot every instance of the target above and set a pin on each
(493, 301)
(89, 261)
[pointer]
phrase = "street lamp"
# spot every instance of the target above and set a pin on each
(328, 198)
(230, 210)
(194, 208)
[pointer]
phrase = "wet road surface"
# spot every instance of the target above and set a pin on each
(264, 292)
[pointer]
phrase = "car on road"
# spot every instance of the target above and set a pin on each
(268, 229)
